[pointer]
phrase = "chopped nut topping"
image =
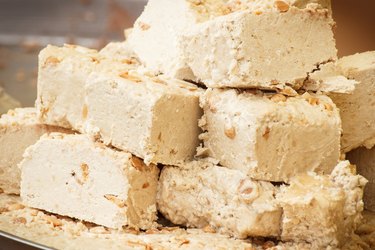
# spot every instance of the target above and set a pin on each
(34, 212)
(230, 132)
(328, 107)
(137, 163)
(113, 198)
(85, 171)
(130, 77)
(266, 133)
(53, 221)
(146, 185)
(278, 98)
(95, 60)
(51, 61)
(209, 229)
(248, 190)
(15, 207)
(281, 6)
(313, 101)
(85, 111)
(129, 61)
(19, 220)
(288, 91)
(184, 242)
(144, 26)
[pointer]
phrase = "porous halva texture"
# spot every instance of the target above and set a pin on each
(270, 136)
(74, 176)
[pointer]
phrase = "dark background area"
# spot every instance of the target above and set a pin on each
(355, 31)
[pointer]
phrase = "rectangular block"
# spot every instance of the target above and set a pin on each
(322, 210)
(200, 194)
(241, 44)
(152, 117)
(270, 136)
(7, 102)
(62, 75)
(364, 159)
(74, 176)
(155, 119)
(19, 129)
(357, 108)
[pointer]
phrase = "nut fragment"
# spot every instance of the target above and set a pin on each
(129, 61)
(137, 163)
(13, 207)
(20, 220)
(51, 61)
(85, 171)
(184, 242)
(266, 133)
(278, 98)
(144, 26)
(53, 221)
(85, 111)
(209, 229)
(328, 107)
(130, 77)
(248, 190)
(113, 198)
(281, 6)
(145, 185)
(230, 132)
(313, 101)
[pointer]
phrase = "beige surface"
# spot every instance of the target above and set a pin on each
(322, 210)
(74, 176)
(201, 194)
(226, 44)
(271, 137)
(114, 100)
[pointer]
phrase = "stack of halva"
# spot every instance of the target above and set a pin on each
(232, 116)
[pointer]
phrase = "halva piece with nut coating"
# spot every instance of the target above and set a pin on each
(19, 129)
(62, 75)
(154, 118)
(74, 176)
(201, 194)
(358, 107)
(235, 43)
(322, 210)
(270, 136)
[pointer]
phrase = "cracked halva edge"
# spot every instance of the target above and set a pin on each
(194, 40)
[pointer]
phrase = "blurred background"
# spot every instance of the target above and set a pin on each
(28, 25)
